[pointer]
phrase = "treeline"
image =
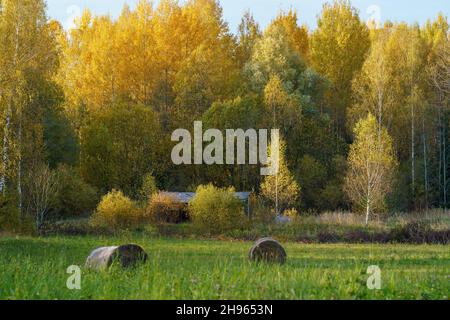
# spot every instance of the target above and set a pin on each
(92, 109)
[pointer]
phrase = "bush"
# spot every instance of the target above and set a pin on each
(412, 232)
(216, 210)
(292, 214)
(81, 227)
(116, 211)
(75, 197)
(164, 208)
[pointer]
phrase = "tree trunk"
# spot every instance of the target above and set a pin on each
(6, 147)
(276, 196)
(413, 155)
(445, 165)
(425, 163)
(367, 212)
(368, 202)
(19, 170)
(9, 114)
(440, 156)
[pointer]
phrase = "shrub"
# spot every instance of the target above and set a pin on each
(216, 210)
(75, 197)
(292, 214)
(412, 232)
(80, 227)
(164, 208)
(116, 211)
(328, 237)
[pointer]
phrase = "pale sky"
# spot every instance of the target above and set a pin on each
(265, 10)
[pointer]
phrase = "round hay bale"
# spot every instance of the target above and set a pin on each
(127, 256)
(268, 250)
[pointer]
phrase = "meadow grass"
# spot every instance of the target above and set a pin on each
(35, 268)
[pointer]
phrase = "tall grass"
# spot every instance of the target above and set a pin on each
(437, 218)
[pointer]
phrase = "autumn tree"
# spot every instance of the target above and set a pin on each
(248, 33)
(373, 86)
(338, 50)
(28, 59)
(104, 96)
(390, 87)
(274, 56)
(297, 35)
(284, 108)
(43, 186)
(372, 164)
(280, 189)
(207, 70)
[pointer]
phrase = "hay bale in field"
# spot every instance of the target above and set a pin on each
(127, 256)
(268, 250)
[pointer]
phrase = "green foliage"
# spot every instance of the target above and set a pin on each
(9, 214)
(312, 176)
(332, 196)
(61, 142)
(228, 114)
(119, 146)
(225, 115)
(75, 197)
(116, 211)
(148, 188)
(216, 210)
(273, 56)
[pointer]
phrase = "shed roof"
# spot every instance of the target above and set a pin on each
(185, 197)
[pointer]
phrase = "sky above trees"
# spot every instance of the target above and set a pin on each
(264, 10)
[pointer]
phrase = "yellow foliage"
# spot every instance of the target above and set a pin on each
(216, 210)
(292, 214)
(372, 163)
(297, 35)
(117, 211)
(148, 56)
(281, 189)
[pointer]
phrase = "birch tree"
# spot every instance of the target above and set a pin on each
(43, 185)
(25, 49)
(372, 163)
(338, 50)
(281, 189)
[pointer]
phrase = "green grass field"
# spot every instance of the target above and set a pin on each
(33, 268)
